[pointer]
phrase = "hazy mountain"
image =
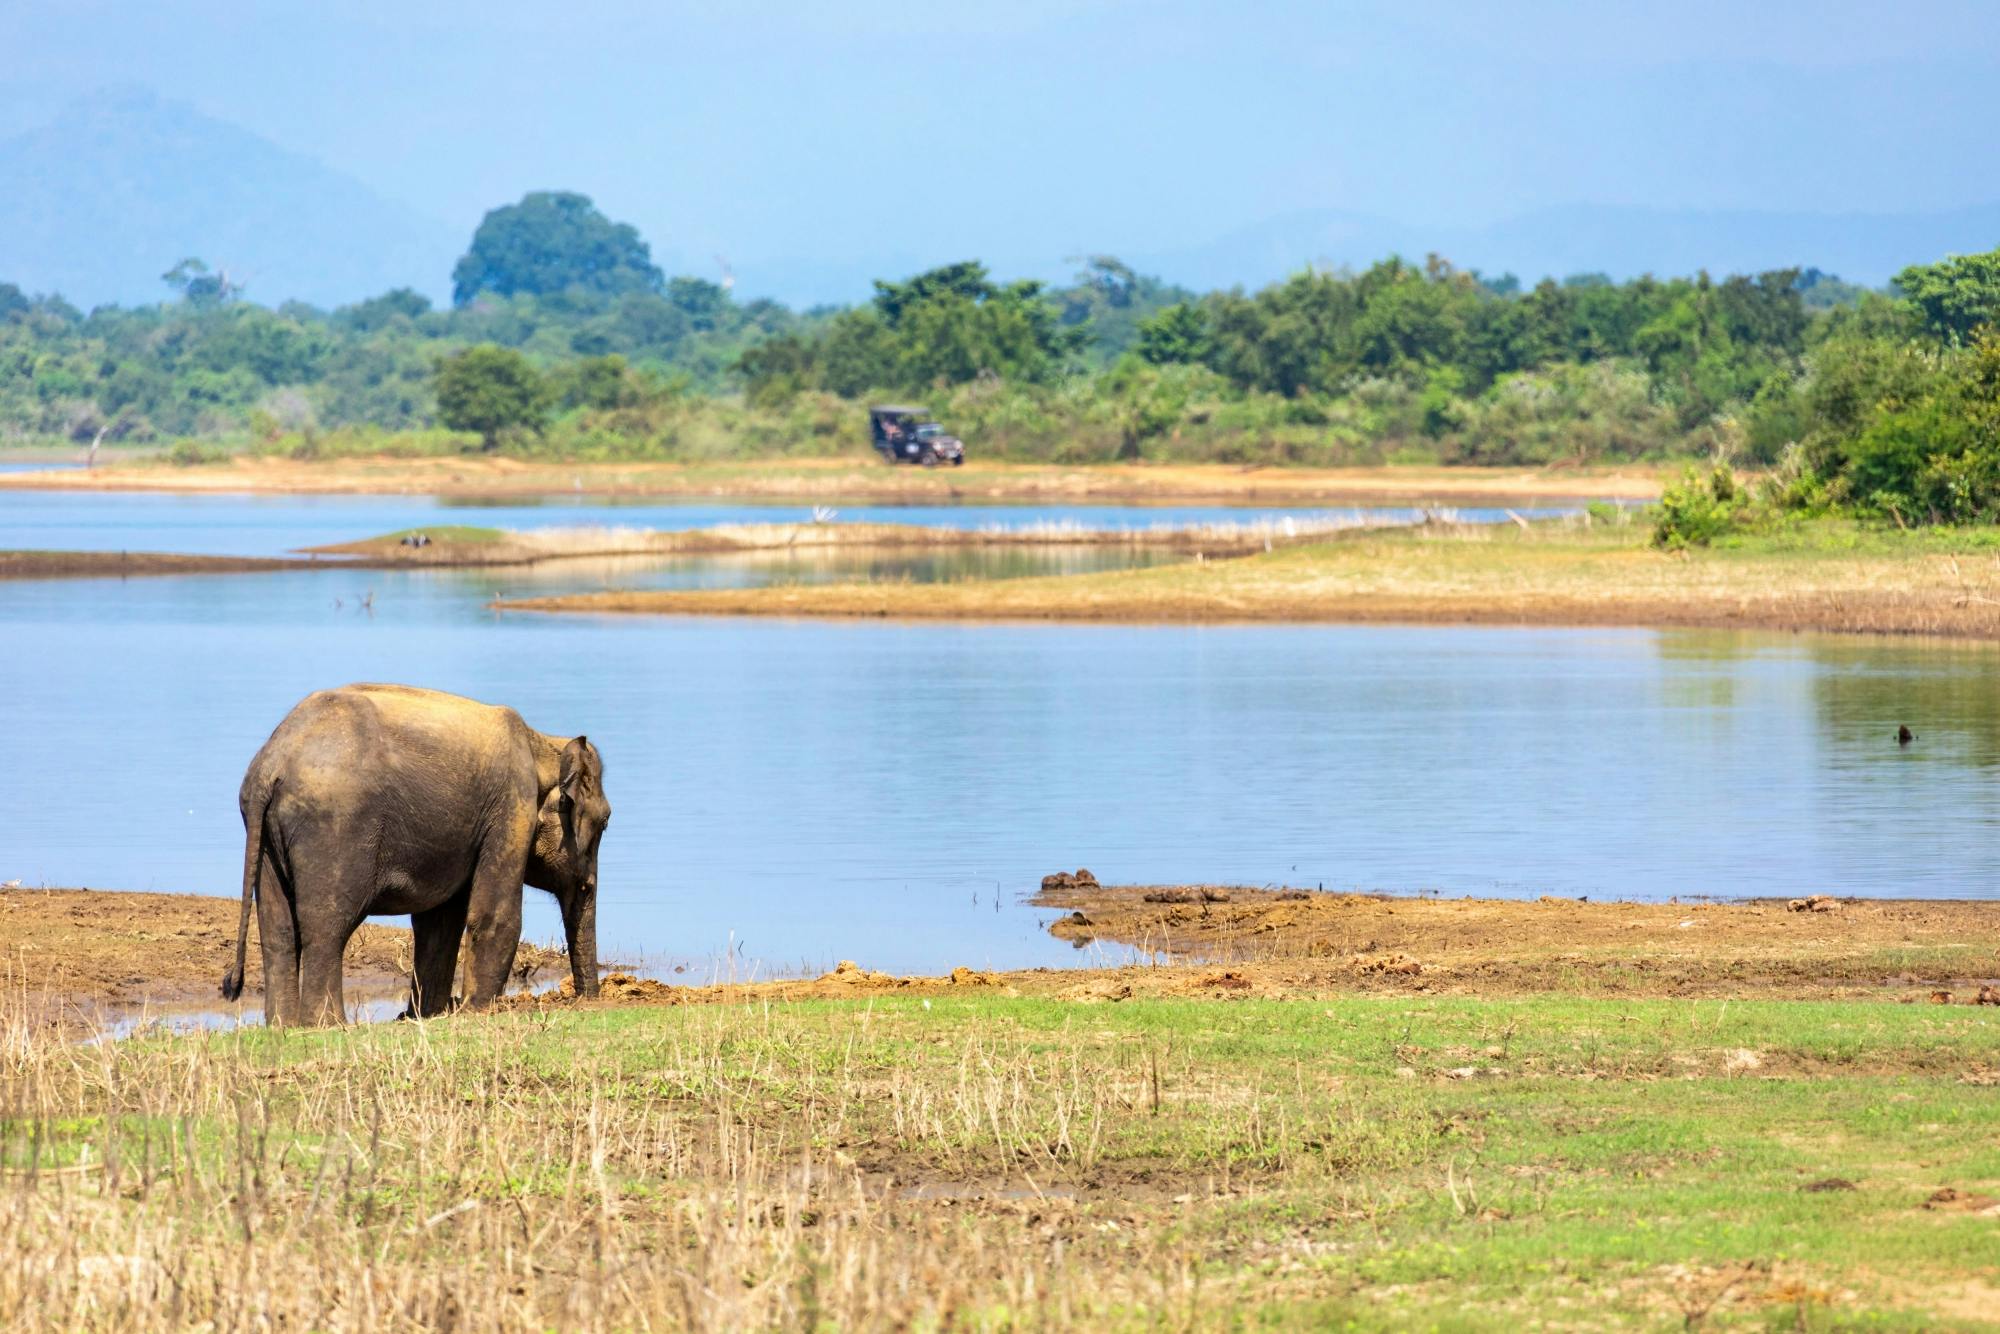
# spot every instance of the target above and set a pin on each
(1623, 242)
(1865, 248)
(119, 188)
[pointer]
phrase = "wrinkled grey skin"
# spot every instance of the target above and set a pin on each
(378, 799)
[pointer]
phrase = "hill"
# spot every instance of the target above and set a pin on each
(118, 188)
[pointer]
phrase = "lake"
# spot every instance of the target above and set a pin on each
(793, 792)
(247, 525)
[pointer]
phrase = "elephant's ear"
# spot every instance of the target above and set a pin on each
(574, 765)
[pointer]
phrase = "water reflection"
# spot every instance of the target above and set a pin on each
(240, 525)
(792, 794)
(1944, 691)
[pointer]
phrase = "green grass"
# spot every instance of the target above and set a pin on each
(1798, 535)
(1386, 1163)
(459, 533)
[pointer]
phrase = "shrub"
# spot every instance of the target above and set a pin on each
(192, 453)
(1696, 510)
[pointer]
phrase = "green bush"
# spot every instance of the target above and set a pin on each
(1696, 510)
(193, 453)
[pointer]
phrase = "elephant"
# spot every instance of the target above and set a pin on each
(377, 799)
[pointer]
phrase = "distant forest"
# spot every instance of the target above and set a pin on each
(565, 338)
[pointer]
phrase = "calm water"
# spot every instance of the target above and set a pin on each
(236, 525)
(889, 792)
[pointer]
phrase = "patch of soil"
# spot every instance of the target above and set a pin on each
(1953, 1200)
(109, 948)
(125, 564)
(1288, 941)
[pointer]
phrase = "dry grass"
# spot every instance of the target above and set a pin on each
(865, 478)
(1563, 573)
(1206, 1147)
(994, 1163)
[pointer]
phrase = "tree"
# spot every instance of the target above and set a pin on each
(966, 279)
(1177, 334)
(550, 242)
(197, 285)
(378, 312)
(490, 389)
(601, 383)
(1955, 295)
(704, 303)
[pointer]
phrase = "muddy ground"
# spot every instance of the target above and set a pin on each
(84, 947)
(95, 948)
(1271, 941)
(1226, 942)
(131, 564)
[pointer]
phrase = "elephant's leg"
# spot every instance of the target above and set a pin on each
(322, 984)
(278, 946)
(332, 898)
(438, 932)
(493, 916)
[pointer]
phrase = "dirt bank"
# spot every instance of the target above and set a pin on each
(131, 564)
(169, 950)
(93, 947)
(1223, 942)
(1549, 574)
(860, 479)
(1279, 941)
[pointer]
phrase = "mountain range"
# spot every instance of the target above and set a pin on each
(117, 189)
(1867, 248)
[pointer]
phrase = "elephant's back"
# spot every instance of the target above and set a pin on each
(356, 739)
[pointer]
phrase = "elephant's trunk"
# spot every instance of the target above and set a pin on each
(580, 932)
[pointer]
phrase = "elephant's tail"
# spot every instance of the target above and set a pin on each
(253, 866)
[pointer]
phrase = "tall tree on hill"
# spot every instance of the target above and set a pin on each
(553, 241)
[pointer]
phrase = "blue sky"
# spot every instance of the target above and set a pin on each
(775, 130)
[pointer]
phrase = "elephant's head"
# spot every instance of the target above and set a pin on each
(564, 860)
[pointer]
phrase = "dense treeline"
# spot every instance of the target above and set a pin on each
(564, 337)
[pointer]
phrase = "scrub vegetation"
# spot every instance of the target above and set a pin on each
(566, 342)
(990, 1161)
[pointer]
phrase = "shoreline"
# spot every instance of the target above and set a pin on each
(1489, 575)
(138, 564)
(114, 952)
(536, 546)
(861, 480)
(531, 547)
(1409, 1135)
